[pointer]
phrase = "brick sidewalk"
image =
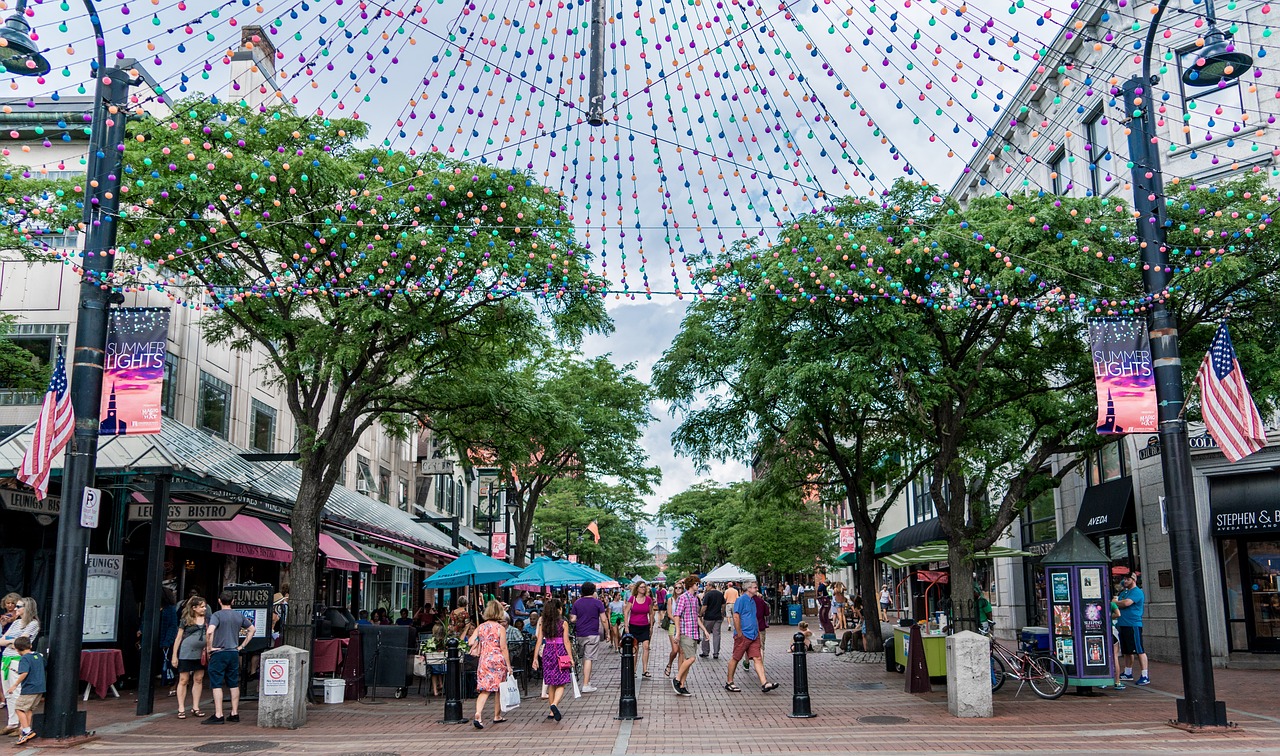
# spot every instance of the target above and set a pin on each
(843, 695)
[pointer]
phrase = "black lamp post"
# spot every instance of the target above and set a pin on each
(21, 56)
(1218, 61)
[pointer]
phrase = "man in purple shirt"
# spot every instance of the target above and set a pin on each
(590, 617)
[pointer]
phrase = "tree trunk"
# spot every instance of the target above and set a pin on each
(304, 521)
(964, 600)
(873, 639)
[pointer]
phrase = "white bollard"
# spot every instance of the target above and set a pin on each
(969, 675)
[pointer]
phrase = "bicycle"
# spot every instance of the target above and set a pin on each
(1047, 676)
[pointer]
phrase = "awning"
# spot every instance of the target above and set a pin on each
(919, 534)
(390, 559)
(343, 554)
(937, 552)
(242, 535)
(1245, 504)
(1108, 508)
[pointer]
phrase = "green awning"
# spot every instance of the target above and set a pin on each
(847, 559)
(936, 551)
(884, 544)
(389, 558)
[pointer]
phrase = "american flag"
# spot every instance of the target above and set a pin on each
(1229, 412)
(53, 431)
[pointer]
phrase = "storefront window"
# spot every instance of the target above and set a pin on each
(1237, 629)
(1264, 582)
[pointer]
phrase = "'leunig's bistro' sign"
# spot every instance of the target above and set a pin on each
(1262, 519)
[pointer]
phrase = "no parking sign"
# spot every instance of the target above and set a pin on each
(275, 677)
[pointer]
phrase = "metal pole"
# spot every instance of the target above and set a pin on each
(151, 604)
(800, 703)
(106, 149)
(453, 684)
(599, 22)
(627, 690)
(1199, 707)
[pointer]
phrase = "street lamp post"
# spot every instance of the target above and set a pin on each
(21, 56)
(1218, 60)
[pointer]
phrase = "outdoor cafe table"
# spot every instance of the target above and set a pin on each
(100, 668)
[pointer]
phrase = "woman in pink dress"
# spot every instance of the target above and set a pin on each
(489, 642)
(553, 644)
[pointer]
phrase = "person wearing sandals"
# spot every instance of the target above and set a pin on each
(669, 623)
(489, 643)
(187, 654)
(746, 640)
(553, 651)
(638, 616)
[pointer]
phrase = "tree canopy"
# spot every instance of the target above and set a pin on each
(570, 504)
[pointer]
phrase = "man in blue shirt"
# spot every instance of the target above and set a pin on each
(1131, 601)
(746, 638)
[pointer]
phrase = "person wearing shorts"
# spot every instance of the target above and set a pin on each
(590, 620)
(687, 621)
(1131, 601)
(746, 639)
(224, 646)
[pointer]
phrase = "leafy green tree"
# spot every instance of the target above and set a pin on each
(775, 535)
(556, 416)
(379, 285)
(569, 505)
(21, 370)
(703, 514)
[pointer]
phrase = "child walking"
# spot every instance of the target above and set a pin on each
(30, 680)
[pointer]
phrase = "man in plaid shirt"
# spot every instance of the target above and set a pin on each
(689, 630)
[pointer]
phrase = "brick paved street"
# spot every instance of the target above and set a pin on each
(745, 723)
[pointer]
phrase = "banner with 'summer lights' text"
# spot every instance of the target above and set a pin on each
(133, 371)
(1123, 375)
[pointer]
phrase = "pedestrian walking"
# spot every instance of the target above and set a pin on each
(838, 602)
(747, 639)
(669, 623)
(25, 625)
(224, 644)
(489, 644)
(590, 619)
(1116, 683)
(168, 636)
(188, 652)
(28, 686)
(689, 630)
(713, 603)
(617, 608)
(886, 602)
(1131, 602)
(554, 653)
(638, 615)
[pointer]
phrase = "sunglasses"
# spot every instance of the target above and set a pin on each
(19, 606)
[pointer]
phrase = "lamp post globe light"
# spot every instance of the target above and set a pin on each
(1217, 62)
(19, 55)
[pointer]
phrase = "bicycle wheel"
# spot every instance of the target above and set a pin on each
(998, 673)
(1047, 676)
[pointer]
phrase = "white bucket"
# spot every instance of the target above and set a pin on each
(334, 691)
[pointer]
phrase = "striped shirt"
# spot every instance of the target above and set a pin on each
(687, 612)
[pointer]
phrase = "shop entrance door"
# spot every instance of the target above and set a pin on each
(1262, 594)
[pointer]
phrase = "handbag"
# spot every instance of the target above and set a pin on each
(510, 694)
(666, 623)
(564, 661)
(204, 657)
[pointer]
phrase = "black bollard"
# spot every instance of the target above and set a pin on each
(800, 689)
(453, 685)
(627, 698)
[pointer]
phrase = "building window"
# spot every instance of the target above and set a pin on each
(403, 498)
(1057, 181)
(1208, 113)
(1039, 522)
(169, 391)
(215, 405)
(342, 472)
(41, 340)
(384, 485)
(263, 435)
(1098, 143)
(365, 483)
(1107, 463)
(447, 484)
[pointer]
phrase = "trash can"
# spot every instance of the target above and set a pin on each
(794, 612)
(890, 663)
(334, 690)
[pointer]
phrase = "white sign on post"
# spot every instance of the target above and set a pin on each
(275, 677)
(90, 507)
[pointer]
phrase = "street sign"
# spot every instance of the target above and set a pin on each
(275, 677)
(21, 501)
(187, 512)
(437, 467)
(90, 507)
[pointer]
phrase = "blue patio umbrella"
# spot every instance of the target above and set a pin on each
(470, 569)
(552, 573)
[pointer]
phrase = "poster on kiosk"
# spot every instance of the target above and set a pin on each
(1079, 599)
